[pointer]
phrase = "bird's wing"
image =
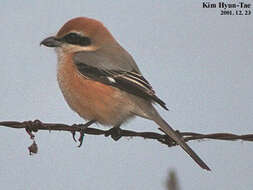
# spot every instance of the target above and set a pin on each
(119, 71)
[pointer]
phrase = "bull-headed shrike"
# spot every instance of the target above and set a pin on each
(100, 80)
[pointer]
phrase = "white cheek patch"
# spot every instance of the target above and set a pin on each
(75, 48)
(60, 55)
(111, 79)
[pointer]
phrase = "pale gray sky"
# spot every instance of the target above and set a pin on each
(199, 63)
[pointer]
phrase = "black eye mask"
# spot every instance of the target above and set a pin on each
(76, 39)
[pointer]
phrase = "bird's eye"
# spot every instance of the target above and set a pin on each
(71, 37)
(76, 39)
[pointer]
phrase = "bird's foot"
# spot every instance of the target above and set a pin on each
(82, 128)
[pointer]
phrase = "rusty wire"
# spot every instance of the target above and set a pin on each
(36, 125)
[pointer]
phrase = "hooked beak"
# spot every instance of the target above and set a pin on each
(51, 42)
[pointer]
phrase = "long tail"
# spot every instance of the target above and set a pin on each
(170, 131)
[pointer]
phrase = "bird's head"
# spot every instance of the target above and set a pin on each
(81, 34)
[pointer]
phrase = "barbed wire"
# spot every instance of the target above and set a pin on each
(115, 133)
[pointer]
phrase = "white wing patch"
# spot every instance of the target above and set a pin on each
(111, 79)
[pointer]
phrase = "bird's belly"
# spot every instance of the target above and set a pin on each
(93, 100)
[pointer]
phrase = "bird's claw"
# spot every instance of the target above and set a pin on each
(73, 135)
(82, 128)
(81, 138)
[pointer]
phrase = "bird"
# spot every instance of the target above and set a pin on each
(101, 81)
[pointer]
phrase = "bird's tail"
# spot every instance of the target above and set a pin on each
(170, 131)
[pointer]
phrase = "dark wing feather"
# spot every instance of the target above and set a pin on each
(123, 76)
(137, 86)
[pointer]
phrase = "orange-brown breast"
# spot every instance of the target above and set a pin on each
(91, 99)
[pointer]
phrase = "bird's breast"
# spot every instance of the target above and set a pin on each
(92, 99)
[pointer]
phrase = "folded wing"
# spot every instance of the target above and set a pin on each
(127, 78)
